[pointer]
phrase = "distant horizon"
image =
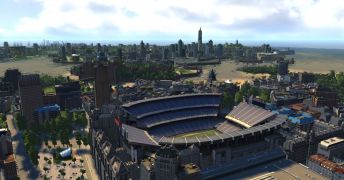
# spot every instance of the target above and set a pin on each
(300, 23)
(275, 44)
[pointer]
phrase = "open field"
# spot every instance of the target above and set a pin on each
(39, 64)
(208, 132)
(309, 60)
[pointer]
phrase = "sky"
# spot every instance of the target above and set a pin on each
(291, 21)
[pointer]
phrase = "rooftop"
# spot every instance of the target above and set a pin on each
(330, 142)
(283, 169)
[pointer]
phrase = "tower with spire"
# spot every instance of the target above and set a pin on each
(200, 41)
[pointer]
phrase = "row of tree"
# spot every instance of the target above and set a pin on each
(332, 80)
(246, 90)
(150, 71)
(47, 80)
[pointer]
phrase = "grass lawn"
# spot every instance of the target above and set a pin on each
(208, 132)
(49, 90)
(184, 71)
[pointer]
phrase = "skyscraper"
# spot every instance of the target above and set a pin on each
(12, 77)
(30, 91)
(200, 41)
(180, 48)
(63, 53)
(104, 75)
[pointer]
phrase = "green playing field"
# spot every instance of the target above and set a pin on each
(208, 132)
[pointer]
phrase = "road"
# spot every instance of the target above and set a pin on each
(26, 170)
(85, 153)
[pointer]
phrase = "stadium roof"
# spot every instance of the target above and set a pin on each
(138, 136)
(249, 115)
(168, 97)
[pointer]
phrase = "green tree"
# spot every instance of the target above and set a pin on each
(21, 121)
(83, 171)
(74, 159)
(238, 97)
(78, 142)
(45, 169)
(81, 161)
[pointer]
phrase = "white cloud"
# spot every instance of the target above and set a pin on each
(123, 19)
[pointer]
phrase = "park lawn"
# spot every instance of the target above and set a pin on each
(208, 132)
(49, 90)
(183, 71)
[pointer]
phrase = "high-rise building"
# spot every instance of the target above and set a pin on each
(68, 95)
(63, 53)
(99, 47)
(166, 163)
(211, 47)
(282, 68)
(142, 50)
(180, 48)
(12, 77)
(104, 75)
(200, 41)
(35, 48)
(69, 48)
(30, 91)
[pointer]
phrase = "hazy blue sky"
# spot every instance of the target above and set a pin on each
(294, 21)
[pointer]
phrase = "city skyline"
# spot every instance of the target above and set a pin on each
(255, 21)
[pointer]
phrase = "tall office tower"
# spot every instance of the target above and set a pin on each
(104, 75)
(30, 91)
(142, 50)
(69, 48)
(211, 47)
(166, 163)
(282, 68)
(219, 51)
(180, 48)
(63, 53)
(68, 95)
(6, 49)
(12, 76)
(35, 47)
(200, 41)
(99, 48)
(6, 46)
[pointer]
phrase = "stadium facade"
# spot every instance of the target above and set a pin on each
(142, 128)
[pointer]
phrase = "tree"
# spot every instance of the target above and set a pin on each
(85, 140)
(74, 159)
(238, 97)
(54, 141)
(64, 164)
(78, 142)
(81, 161)
(21, 121)
(46, 159)
(64, 137)
(83, 171)
(45, 169)
(62, 172)
(49, 147)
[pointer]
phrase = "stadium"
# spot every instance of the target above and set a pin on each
(183, 120)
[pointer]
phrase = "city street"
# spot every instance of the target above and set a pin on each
(26, 170)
